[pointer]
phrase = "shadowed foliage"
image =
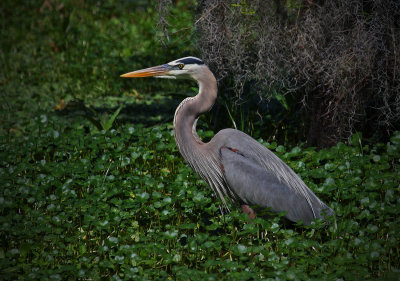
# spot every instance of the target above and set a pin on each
(338, 59)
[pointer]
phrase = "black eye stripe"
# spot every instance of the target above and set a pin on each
(190, 61)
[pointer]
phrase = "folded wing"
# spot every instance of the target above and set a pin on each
(256, 185)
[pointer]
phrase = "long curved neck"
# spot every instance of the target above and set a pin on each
(190, 109)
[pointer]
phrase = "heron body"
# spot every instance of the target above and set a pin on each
(234, 165)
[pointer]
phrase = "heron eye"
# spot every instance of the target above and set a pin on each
(180, 66)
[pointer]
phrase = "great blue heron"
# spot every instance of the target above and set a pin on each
(234, 164)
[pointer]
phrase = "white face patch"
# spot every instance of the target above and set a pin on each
(183, 68)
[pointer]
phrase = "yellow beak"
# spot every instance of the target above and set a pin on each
(152, 71)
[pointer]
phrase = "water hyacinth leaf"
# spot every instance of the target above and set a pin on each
(372, 228)
(199, 197)
(144, 196)
(113, 240)
(43, 118)
(376, 158)
(177, 258)
(240, 249)
(280, 149)
(329, 166)
(295, 151)
(171, 234)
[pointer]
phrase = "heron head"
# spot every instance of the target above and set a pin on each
(184, 68)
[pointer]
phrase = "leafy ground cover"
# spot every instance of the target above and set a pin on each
(61, 52)
(77, 202)
(88, 192)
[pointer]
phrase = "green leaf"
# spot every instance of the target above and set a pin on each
(107, 123)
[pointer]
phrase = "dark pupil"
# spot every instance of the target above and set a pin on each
(180, 66)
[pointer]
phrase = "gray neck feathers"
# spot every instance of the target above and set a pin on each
(190, 109)
(202, 157)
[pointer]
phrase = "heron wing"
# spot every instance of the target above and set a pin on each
(256, 186)
(269, 167)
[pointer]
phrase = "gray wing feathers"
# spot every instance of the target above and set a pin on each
(263, 166)
(267, 160)
(208, 167)
(255, 186)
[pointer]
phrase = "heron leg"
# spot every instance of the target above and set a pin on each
(249, 211)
